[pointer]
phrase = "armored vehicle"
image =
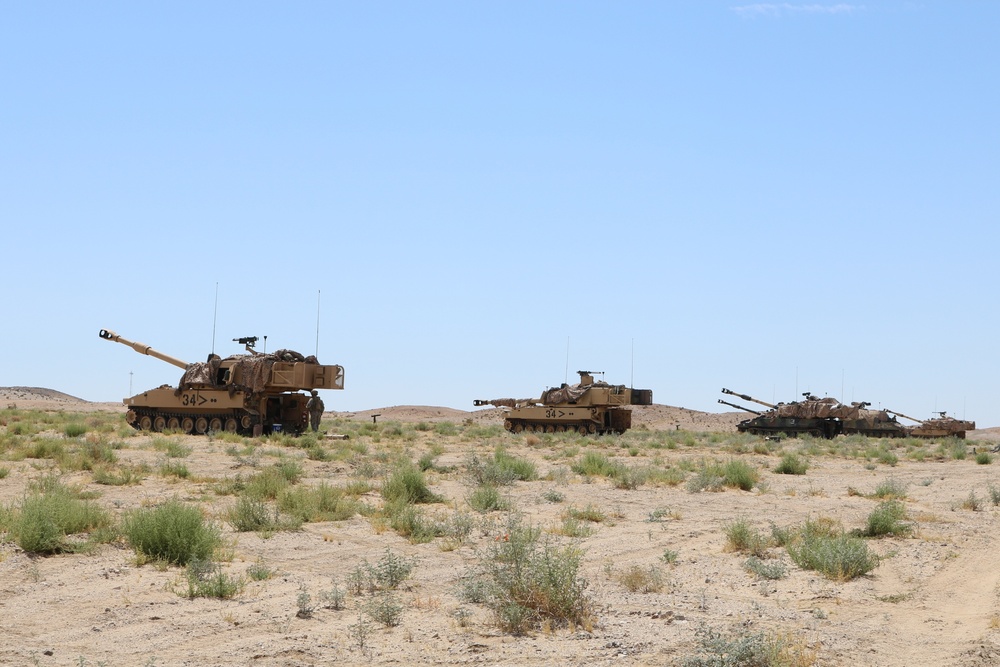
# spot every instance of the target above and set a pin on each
(814, 416)
(586, 407)
(873, 423)
(942, 426)
(249, 394)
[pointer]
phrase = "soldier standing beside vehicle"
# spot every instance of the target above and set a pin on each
(315, 407)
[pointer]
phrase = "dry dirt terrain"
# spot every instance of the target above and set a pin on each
(932, 600)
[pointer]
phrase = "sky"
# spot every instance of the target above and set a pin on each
(472, 200)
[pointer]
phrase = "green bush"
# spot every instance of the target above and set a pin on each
(206, 579)
(714, 476)
(839, 557)
(407, 485)
(525, 581)
(744, 538)
(172, 532)
(46, 518)
(251, 514)
(488, 499)
(318, 503)
(886, 519)
(739, 474)
(501, 469)
(890, 489)
(791, 464)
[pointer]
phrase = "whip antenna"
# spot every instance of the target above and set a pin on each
(566, 379)
(215, 315)
(317, 323)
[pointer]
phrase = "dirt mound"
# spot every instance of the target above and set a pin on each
(40, 398)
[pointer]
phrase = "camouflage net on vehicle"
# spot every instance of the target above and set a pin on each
(253, 369)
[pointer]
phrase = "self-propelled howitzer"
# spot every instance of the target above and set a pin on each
(812, 416)
(586, 407)
(249, 394)
(942, 426)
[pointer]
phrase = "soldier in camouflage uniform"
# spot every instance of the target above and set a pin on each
(316, 408)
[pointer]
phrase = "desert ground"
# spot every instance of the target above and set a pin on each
(933, 598)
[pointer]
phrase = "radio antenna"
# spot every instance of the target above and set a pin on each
(567, 361)
(215, 314)
(631, 379)
(317, 323)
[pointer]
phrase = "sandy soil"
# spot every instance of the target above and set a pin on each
(932, 601)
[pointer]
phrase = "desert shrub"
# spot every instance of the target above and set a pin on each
(120, 476)
(748, 650)
(74, 430)
(706, 479)
(890, 489)
(972, 502)
(172, 448)
(206, 579)
(886, 519)
(637, 579)
(446, 428)
(742, 537)
(409, 522)
(836, 556)
(388, 573)
(318, 503)
(50, 514)
(488, 499)
(526, 581)
(251, 514)
(595, 464)
(384, 608)
(407, 484)
(765, 569)
(984, 458)
(740, 474)
(791, 464)
(271, 481)
(172, 532)
(501, 469)
(174, 469)
(260, 571)
(716, 476)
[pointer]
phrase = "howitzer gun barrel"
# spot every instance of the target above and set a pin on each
(739, 407)
(501, 402)
(747, 398)
(900, 414)
(142, 348)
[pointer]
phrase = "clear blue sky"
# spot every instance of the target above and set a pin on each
(771, 197)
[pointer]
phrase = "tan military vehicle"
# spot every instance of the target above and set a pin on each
(813, 416)
(586, 407)
(249, 394)
(942, 426)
